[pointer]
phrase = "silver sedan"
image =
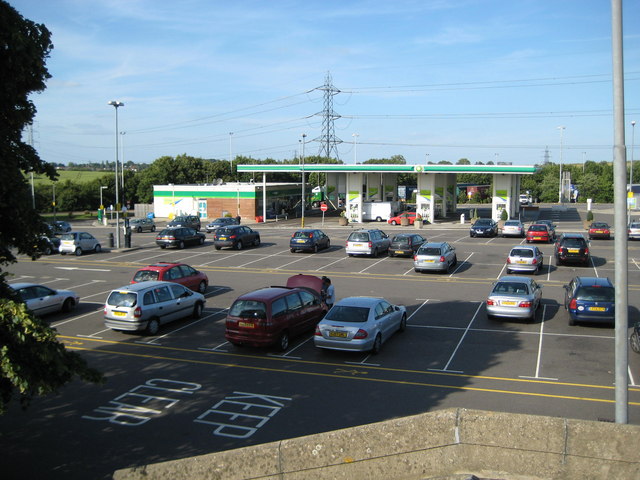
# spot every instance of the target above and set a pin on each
(435, 256)
(360, 324)
(524, 259)
(42, 300)
(514, 297)
(513, 228)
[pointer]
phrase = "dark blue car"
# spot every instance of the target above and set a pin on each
(590, 299)
(310, 240)
(484, 227)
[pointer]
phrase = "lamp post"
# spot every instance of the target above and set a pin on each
(116, 104)
(304, 136)
(101, 207)
(122, 165)
(54, 202)
(173, 201)
(633, 133)
(560, 192)
(355, 148)
(584, 160)
(230, 161)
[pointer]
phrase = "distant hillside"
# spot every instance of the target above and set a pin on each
(76, 176)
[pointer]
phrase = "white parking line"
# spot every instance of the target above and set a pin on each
(262, 257)
(417, 309)
(372, 265)
(549, 268)
(537, 376)
(88, 283)
(222, 257)
(633, 382)
(79, 317)
(329, 264)
(446, 367)
(153, 342)
(461, 264)
(293, 261)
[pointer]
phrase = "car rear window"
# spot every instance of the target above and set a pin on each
(511, 224)
(538, 228)
(225, 231)
(596, 294)
(511, 288)
(573, 242)
(429, 251)
(522, 252)
(339, 313)
(359, 237)
(302, 235)
(68, 236)
(145, 276)
(122, 299)
(248, 309)
(401, 240)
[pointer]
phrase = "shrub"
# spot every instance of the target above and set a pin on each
(589, 216)
(504, 215)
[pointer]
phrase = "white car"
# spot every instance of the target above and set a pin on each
(42, 300)
(634, 231)
(513, 228)
(78, 243)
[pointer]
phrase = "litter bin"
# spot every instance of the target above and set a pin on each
(111, 242)
(127, 238)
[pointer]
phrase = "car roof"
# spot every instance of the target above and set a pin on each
(359, 301)
(515, 279)
(404, 235)
(594, 281)
(161, 266)
(136, 287)
(512, 221)
(432, 244)
(267, 293)
(526, 247)
(573, 235)
(17, 286)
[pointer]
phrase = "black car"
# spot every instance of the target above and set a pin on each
(484, 227)
(191, 221)
(49, 245)
(309, 239)
(572, 248)
(405, 244)
(221, 222)
(179, 237)
(235, 236)
(60, 226)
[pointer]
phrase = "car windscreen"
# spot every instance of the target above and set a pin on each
(482, 223)
(122, 299)
(521, 252)
(596, 294)
(145, 276)
(340, 313)
(429, 251)
(248, 309)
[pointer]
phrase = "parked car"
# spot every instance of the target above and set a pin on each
(78, 243)
(140, 225)
(438, 256)
(634, 231)
(360, 324)
(525, 258)
(60, 226)
(235, 236)
(42, 300)
(405, 244)
(484, 227)
(191, 221)
(539, 232)
(274, 315)
(148, 305)
(572, 248)
(309, 240)
(600, 230)
(397, 220)
(551, 226)
(173, 272)
(634, 340)
(590, 299)
(179, 237)
(221, 222)
(513, 228)
(49, 245)
(367, 242)
(514, 297)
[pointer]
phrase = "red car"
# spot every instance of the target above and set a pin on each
(599, 230)
(411, 216)
(539, 233)
(173, 272)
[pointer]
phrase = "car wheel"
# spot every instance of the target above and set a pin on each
(153, 326)
(239, 245)
(256, 243)
(139, 230)
(68, 304)
(201, 241)
(508, 271)
(377, 344)
(181, 245)
(153, 229)
(635, 342)
(471, 235)
(78, 252)
(572, 322)
(97, 248)
(47, 250)
(163, 246)
(283, 341)
(374, 253)
(403, 324)
(393, 222)
(202, 287)
(197, 310)
(293, 250)
(315, 248)
(218, 248)
(328, 244)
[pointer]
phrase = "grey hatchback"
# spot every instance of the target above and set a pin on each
(147, 305)
(367, 242)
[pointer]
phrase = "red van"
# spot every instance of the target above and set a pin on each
(273, 315)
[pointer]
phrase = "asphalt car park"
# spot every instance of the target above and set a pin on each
(450, 355)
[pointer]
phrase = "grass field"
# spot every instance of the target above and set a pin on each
(76, 176)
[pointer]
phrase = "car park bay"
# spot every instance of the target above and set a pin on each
(450, 354)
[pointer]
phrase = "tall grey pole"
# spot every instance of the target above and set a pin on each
(304, 138)
(116, 104)
(620, 220)
(633, 141)
(560, 189)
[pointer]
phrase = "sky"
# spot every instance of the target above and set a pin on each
(431, 80)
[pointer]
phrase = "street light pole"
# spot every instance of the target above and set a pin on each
(633, 134)
(116, 104)
(122, 164)
(355, 148)
(560, 192)
(304, 137)
(230, 161)
(104, 218)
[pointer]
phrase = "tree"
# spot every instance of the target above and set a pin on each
(32, 360)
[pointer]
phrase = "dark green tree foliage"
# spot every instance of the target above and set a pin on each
(32, 361)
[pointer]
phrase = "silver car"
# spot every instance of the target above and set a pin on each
(78, 243)
(367, 242)
(140, 225)
(514, 297)
(513, 228)
(525, 258)
(634, 231)
(42, 300)
(147, 305)
(438, 256)
(360, 324)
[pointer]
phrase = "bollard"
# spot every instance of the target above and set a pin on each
(127, 240)
(462, 219)
(111, 242)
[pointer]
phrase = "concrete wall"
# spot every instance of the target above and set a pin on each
(441, 444)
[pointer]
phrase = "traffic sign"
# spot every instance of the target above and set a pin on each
(323, 207)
